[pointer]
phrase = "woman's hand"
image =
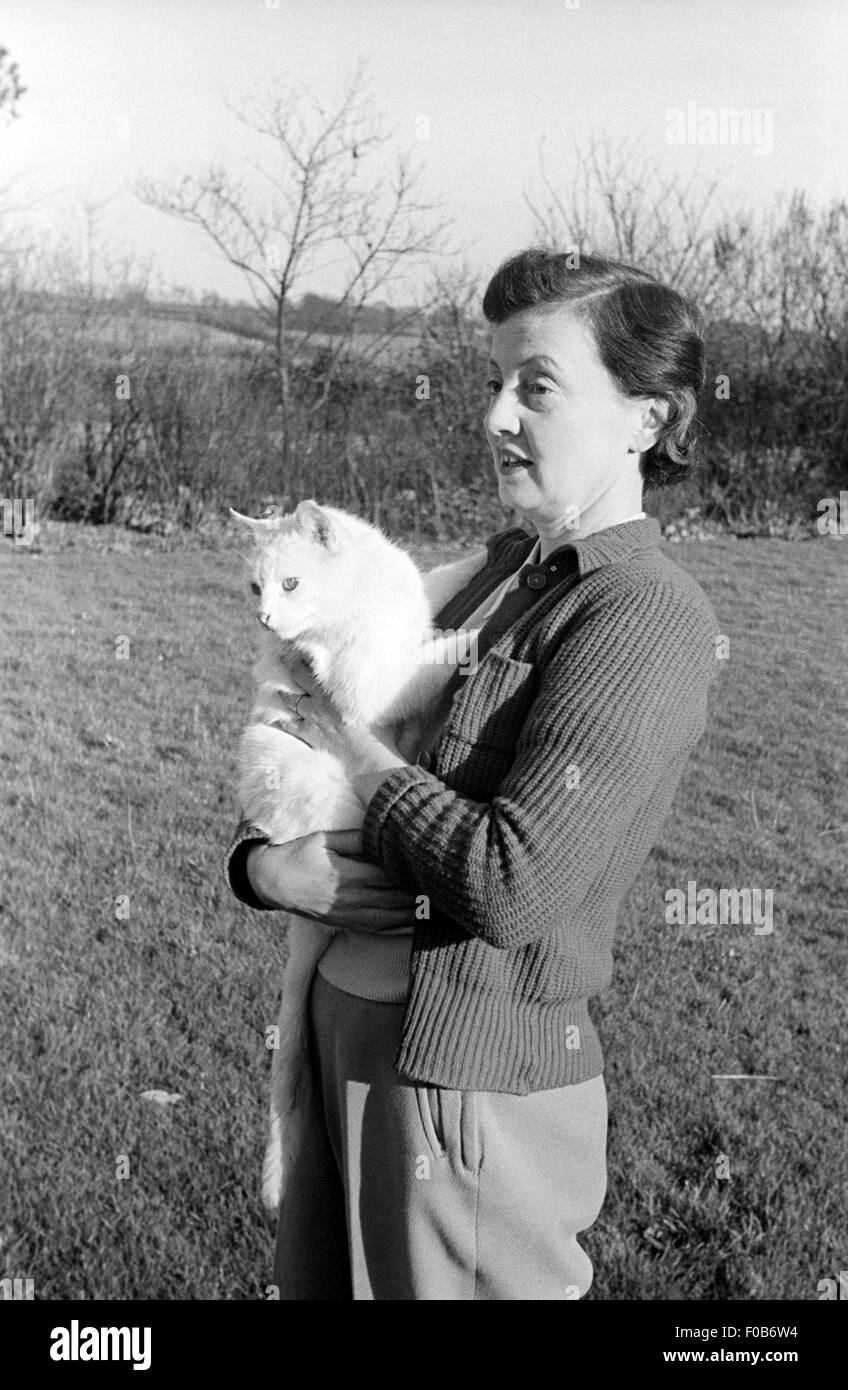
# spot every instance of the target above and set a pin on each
(369, 755)
(324, 877)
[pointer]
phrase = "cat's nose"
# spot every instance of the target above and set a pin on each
(264, 618)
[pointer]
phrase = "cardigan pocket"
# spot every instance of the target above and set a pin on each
(490, 708)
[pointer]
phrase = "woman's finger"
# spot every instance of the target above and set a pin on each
(344, 841)
(377, 921)
(387, 896)
(389, 903)
(360, 874)
(302, 673)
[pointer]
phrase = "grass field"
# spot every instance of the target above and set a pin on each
(116, 782)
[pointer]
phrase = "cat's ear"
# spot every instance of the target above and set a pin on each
(317, 524)
(259, 528)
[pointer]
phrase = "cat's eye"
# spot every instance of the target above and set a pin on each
(254, 588)
(290, 583)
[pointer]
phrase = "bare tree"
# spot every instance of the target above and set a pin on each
(320, 205)
(787, 269)
(785, 277)
(43, 335)
(619, 203)
(97, 266)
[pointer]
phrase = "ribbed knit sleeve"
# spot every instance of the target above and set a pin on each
(235, 865)
(621, 700)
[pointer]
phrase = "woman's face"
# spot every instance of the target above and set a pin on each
(558, 426)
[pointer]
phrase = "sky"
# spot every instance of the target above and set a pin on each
(119, 88)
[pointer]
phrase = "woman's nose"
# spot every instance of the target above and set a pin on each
(502, 415)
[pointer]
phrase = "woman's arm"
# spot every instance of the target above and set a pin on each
(325, 877)
(270, 881)
(619, 707)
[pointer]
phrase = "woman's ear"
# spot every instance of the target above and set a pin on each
(652, 417)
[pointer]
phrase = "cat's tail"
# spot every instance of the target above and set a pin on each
(291, 1074)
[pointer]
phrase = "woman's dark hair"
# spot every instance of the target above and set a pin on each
(648, 336)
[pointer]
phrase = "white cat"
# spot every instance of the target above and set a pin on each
(333, 590)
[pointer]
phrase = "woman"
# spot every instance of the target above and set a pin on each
(457, 1142)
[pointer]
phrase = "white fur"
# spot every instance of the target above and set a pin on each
(361, 614)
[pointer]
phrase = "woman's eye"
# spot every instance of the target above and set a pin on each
(493, 386)
(254, 588)
(290, 583)
(539, 387)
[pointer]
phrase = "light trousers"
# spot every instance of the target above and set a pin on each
(409, 1191)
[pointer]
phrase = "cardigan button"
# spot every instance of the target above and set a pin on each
(425, 761)
(536, 580)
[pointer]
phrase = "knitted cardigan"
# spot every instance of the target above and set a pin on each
(547, 787)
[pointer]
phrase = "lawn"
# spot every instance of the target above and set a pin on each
(126, 966)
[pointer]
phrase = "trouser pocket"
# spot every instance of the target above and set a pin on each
(449, 1121)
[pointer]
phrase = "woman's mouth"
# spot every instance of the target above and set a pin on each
(509, 462)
